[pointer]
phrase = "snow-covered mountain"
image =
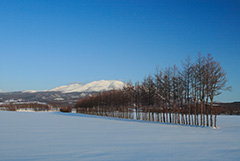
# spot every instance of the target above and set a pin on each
(30, 91)
(95, 86)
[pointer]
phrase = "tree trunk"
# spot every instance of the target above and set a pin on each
(207, 112)
(215, 120)
(211, 111)
(189, 113)
(195, 104)
(201, 114)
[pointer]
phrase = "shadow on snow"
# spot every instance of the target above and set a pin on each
(121, 119)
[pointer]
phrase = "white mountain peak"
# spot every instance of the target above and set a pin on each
(96, 86)
(30, 91)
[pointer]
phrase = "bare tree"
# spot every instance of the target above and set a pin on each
(217, 83)
(159, 92)
(187, 75)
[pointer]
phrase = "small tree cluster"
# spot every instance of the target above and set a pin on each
(171, 95)
(66, 109)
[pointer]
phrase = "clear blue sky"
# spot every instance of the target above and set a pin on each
(47, 43)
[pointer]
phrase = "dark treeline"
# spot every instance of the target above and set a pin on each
(173, 95)
(25, 106)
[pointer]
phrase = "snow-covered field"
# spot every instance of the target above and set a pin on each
(58, 136)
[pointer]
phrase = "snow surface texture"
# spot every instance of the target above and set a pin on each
(95, 86)
(52, 136)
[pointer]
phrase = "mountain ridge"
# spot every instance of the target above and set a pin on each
(95, 86)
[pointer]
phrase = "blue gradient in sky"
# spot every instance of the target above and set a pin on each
(45, 44)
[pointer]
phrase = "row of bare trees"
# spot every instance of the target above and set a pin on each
(173, 95)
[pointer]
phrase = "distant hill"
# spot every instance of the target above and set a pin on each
(63, 95)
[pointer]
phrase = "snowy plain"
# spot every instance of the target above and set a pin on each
(52, 136)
